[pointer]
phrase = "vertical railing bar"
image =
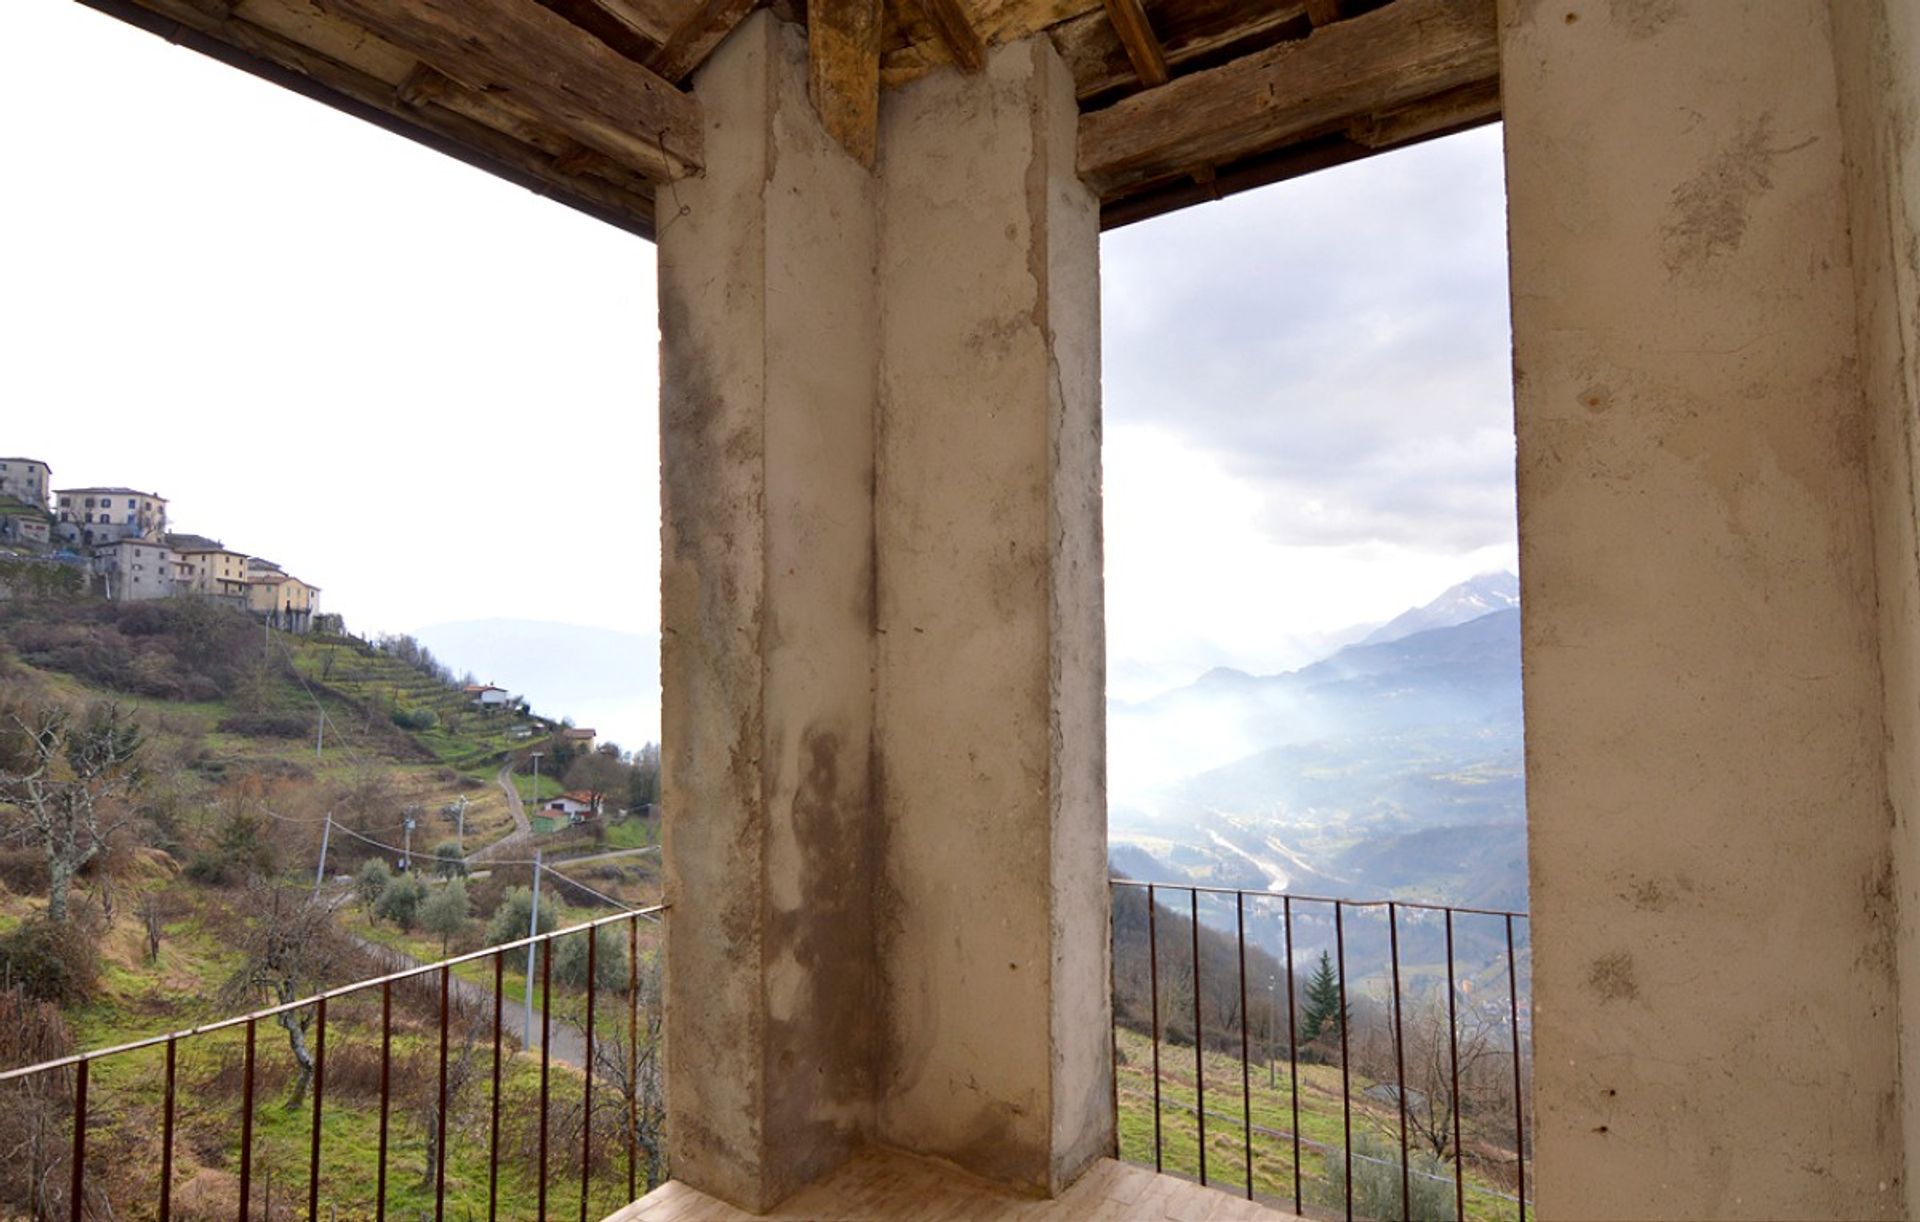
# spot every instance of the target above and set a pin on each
(1199, 1037)
(77, 1200)
(1346, 1074)
(1400, 1062)
(633, 1057)
(1453, 1063)
(546, 1047)
(386, 1096)
(319, 1091)
(1153, 988)
(246, 1128)
(440, 1112)
(1519, 1117)
(586, 1104)
(1293, 1049)
(1246, 1082)
(1113, 1051)
(493, 1126)
(166, 1140)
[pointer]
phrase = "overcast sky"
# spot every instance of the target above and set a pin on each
(434, 394)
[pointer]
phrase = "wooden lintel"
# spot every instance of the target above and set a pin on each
(576, 161)
(1381, 61)
(1449, 112)
(1136, 35)
(843, 55)
(957, 34)
(695, 38)
(561, 72)
(422, 85)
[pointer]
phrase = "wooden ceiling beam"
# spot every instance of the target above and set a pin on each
(957, 34)
(1136, 34)
(696, 37)
(843, 58)
(273, 57)
(1323, 12)
(574, 80)
(1381, 61)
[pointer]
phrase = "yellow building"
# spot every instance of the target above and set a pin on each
(212, 571)
(285, 600)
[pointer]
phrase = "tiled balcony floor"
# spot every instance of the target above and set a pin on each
(885, 1184)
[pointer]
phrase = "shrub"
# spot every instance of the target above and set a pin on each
(1376, 1182)
(415, 719)
(445, 912)
(449, 860)
(370, 881)
(50, 962)
(401, 901)
(511, 917)
(610, 959)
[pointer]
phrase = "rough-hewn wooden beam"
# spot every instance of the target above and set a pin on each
(1389, 58)
(423, 85)
(695, 38)
(1136, 34)
(956, 32)
(843, 53)
(563, 73)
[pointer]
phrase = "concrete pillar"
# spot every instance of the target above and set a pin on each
(882, 647)
(991, 663)
(769, 333)
(1712, 872)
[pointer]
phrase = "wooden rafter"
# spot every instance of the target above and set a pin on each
(599, 97)
(1136, 34)
(1323, 12)
(1390, 58)
(1193, 30)
(695, 38)
(955, 28)
(422, 85)
(843, 56)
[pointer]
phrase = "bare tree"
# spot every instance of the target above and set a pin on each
(632, 1072)
(291, 948)
(66, 782)
(460, 1071)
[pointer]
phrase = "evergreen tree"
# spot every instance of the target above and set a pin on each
(1323, 1001)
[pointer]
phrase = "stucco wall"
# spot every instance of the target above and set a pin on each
(1712, 878)
(1877, 56)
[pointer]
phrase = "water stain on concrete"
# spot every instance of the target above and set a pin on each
(1612, 977)
(1707, 214)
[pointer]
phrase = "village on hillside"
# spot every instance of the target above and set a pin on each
(114, 542)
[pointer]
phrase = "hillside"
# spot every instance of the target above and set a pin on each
(244, 746)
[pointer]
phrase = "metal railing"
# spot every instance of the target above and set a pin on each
(1500, 1036)
(80, 1066)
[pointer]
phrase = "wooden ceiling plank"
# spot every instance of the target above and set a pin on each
(1392, 57)
(696, 37)
(1130, 24)
(1193, 30)
(298, 66)
(957, 35)
(843, 56)
(565, 74)
(1323, 12)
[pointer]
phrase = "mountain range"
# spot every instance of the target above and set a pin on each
(1394, 767)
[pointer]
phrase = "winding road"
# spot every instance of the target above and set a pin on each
(569, 1043)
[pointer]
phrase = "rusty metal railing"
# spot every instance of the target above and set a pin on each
(1497, 1061)
(80, 1064)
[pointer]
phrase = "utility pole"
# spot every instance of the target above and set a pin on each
(533, 929)
(326, 832)
(536, 778)
(406, 852)
(319, 734)
(460, 824)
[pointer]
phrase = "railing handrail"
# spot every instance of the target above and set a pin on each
(1316, 899)
(236, 1020)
